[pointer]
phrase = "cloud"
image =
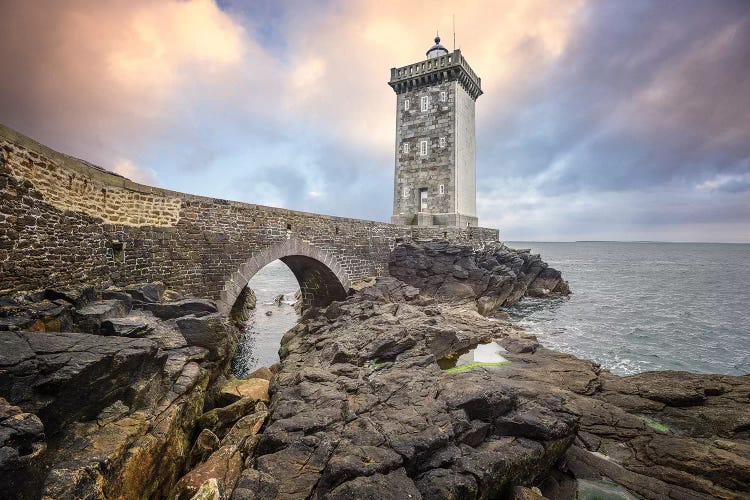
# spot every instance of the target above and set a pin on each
(135, 173)
(727, 183)
(598, 118)
(103, 79)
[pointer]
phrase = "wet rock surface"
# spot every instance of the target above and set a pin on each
(360, 408)
(107, 408)
(141, 405)
(22, 440)
(492, 277)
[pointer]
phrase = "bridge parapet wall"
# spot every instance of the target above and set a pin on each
(65, 222)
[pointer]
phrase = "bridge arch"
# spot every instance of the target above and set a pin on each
(321, 278)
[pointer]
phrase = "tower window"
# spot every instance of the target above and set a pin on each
(425, 103)
(423, 148)
(405, 148)
(406, 192)
(406, 104)
(441, 188)
(443, 96)
(442, 142)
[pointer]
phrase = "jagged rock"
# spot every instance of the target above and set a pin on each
(350, 461)
(255, 485)
(492, 277)
(214, 478)
(445, 483)
(205, 444)
(117, 294)
(147, 292)
(78, 297)
(548, 282)
(126, 327)
(362, 375)
(243, 306)
(179, 308)
(42, 316)
(395, 485)
(278, 300)
(171, 296)
(591, 490)
(119, 412)
(63, 377)
(361, 378)
(207, 331)
(263, 372)
(22, 440)
(255, 388)
(145, 442)
(219, 420)
(246, 427)
(390, 289)
(88, 319)
(16, 323)
(523, 493)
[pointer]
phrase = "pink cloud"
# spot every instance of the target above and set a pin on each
(98, 79)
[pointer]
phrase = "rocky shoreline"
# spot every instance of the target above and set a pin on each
(100, 391)
(126, 393)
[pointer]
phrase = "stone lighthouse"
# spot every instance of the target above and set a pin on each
(435, 178)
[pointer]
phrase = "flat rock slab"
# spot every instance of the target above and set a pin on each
(179, 308)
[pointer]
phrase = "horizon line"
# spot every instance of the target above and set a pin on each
(635, 241)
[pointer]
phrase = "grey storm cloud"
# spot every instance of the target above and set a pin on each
(647, 93)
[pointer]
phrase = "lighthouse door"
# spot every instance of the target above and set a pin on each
(422, 199)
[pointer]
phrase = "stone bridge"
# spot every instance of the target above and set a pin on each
(67, 223)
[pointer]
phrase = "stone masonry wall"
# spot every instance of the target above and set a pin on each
(430, 171)
(64, 222)
(466, 147)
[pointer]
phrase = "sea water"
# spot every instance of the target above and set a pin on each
(635, 307)
(261, 337)
(647, 306)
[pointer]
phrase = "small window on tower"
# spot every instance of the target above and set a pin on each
(442, 188)
(423, 148)
(442, 142)
(425, 103)
(443, 96)
(405, 148)
(406, 192)
(406, 104)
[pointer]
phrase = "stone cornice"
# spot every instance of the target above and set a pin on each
(450, 67)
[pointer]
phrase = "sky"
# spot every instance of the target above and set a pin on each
(601, 119)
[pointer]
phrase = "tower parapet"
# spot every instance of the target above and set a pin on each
(451, 66)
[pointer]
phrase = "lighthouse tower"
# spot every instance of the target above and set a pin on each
(435, 177)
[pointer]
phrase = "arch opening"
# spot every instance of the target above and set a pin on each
(269, 309)
(318, 285)
(321, 279)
